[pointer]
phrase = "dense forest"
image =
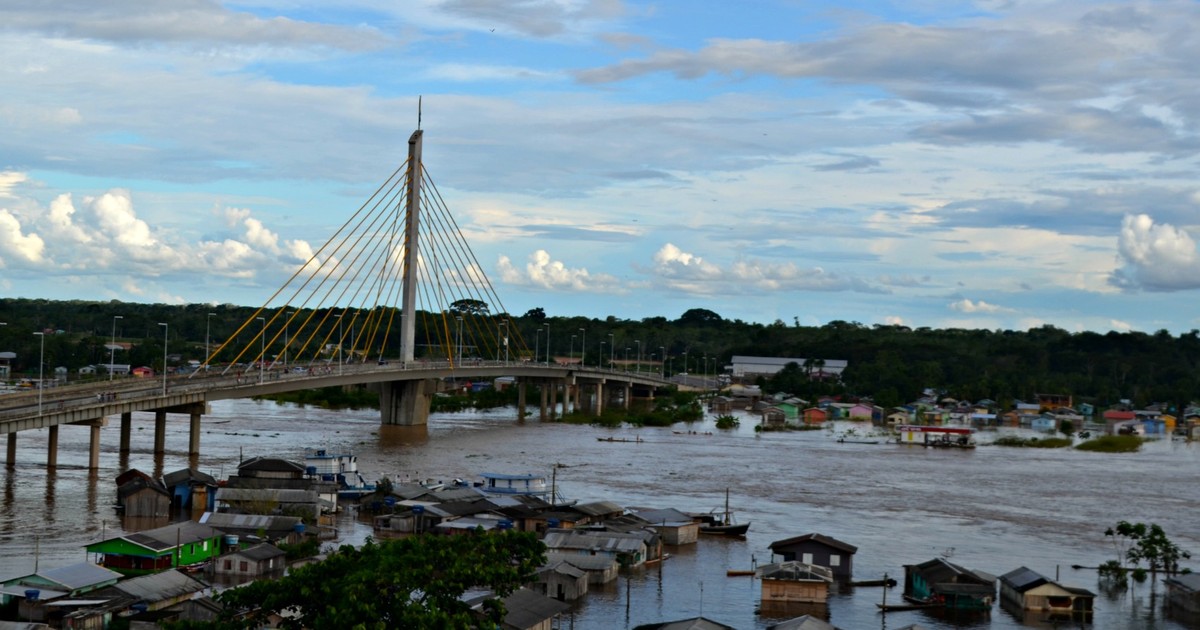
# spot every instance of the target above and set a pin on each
(891, 364)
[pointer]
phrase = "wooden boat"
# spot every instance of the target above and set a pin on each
(843, 440)
(905, 606)
(725, 526)
(739, 572)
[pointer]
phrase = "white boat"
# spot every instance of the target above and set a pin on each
(340, 468)
(936, 436)
(531, 484)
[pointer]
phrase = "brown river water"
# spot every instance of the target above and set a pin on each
(991, 509)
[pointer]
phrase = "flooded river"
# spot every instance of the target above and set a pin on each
(991, 509)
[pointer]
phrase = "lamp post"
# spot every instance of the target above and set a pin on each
(639, 349)
(41, 371)
(571, 352)
(165, 330)
(537, 344)
(285, 339)
(459, 360)
(505, 339)
(207, 329)
(612, 348)
(262, 353)
(662, 361)
(112, 347)
(685, 363)
(547, 343)
(339, 346)
(582, 347)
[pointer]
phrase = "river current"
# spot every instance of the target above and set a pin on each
(991, 509)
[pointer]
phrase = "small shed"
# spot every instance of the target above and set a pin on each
(143, 372)
(562, 580)
(1026, 589)
(815, 415)
(526, 610)
(821, 550)
(259, 560)
(191, 489)
(795, 582)
(142, 496)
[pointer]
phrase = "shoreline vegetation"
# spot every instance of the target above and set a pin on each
(664, 411)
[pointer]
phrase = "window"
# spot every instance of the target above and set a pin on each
(835, 560)
(228, 564)
(806, 558)
(243, 566)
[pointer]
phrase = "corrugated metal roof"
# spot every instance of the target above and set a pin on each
(665, 516)
(597, 508)
(264, 551)
(168, 537)
(583, 561)
(593, 541)
(75, 576)
(828, 541)
(1022, 579)
(157, 587)
(255, 522)
(527, 609)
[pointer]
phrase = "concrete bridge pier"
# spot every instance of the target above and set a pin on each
(544, 392)
(194, 433)
(599, 398)
(553, 385)
(520, 400)
(406, 403)
(94, 444)
(160, 431)
(126, 427)
(10, 458)
(52, 447)
(626, 395)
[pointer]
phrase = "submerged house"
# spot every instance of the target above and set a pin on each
(794, 582)
(38, 594)
(1026, 589)
(191, 489)
(1183, 593)
(942, 582)
(821, 550)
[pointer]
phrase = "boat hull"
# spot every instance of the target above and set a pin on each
(725, 530)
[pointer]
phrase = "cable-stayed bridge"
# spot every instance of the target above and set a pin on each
(394, 300)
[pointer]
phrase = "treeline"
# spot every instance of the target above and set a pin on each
(891, 364)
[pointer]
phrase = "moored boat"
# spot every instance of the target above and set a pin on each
(341, 468)
(725, 525)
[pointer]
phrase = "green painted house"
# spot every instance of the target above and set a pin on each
(176, 545)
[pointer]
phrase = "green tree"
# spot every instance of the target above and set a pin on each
(414, 582)
(468, 306)
(1138, 543)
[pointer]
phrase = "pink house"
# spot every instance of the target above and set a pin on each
(860, 411)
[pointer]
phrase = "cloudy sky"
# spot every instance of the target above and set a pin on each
(989, 164)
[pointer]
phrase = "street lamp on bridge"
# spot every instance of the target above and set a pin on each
(547, 324)
(505, 341)
(112, 347)
(207, 328)
(612, 348)
(339, 346)
(537, 345)
(165, 330)
(571, 350)
(41, 373)
(582, 347)
(459, 360)
(662, 362)
(286, 321)
(639, 354)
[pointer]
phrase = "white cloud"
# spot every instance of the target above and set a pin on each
(9, 180)
(1157, 257)
(27, 247)
(542, 271)
(967, 306)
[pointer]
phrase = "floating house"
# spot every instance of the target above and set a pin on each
(626, 549)
(191, 489)
(1026, 589)
(793, 582)
(600, 569)
(820, 550)
(154, 550)
(942, 582)
(675, 527)
(37, 593)
(142, 496)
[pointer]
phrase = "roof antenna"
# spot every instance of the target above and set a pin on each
(418, 112)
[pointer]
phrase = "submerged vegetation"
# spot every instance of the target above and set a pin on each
(1033, 442)
(1112, 444)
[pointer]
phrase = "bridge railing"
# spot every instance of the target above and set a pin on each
(104, 393)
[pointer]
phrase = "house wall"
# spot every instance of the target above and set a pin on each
(794, 591)
(147, 502)
(564, 587)
(1184, 600)
(236, 565)
(682, 535)
(813, 552)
